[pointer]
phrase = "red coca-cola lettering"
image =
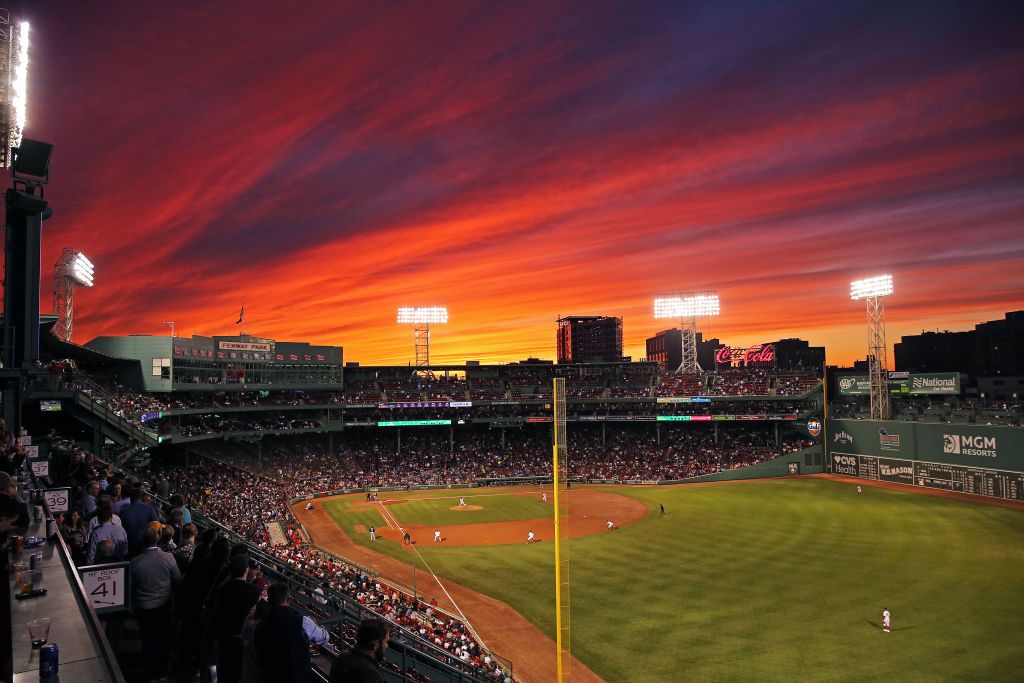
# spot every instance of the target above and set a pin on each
(762, 353)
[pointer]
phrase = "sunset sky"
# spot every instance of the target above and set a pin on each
(326, 163)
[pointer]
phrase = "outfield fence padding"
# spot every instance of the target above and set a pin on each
(805, 461)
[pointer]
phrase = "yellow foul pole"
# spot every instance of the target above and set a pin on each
(561, 644)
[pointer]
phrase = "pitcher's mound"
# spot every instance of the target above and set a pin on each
(465, 508)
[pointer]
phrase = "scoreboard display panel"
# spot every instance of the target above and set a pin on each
(934, 475)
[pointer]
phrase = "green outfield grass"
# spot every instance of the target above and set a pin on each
(777, 580)
(432, 508)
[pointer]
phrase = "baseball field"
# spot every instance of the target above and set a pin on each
(776, 579)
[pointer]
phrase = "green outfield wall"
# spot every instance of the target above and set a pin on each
(806, 461)
(974, 459)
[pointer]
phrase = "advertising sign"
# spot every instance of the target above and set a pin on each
(761, 353)
(900, 471)
(942, 383)
(107, 586)
(413, 423)
(934, 475)
(683, 399)
(935, 383)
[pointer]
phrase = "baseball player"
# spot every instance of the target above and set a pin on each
(407, 538)
(531, 538)
(437, 536)
(544, 496)
(611, 525)
(859, 490)
(662, 510)
(373, 534)
(885, 620)
(462, 502)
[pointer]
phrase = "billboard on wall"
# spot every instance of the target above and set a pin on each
(979, 459)
(934, 475)
(959, 444)
(934, 383)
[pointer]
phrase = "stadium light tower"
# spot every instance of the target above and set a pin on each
(687, 308)
(14, 93)
(421, 318)
(872, 290)
(72, 270)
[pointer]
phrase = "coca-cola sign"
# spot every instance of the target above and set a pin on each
(762, 353)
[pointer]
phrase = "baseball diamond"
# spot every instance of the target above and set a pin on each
(783, 570)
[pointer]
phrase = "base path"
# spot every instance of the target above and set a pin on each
(503, 630)
(588, 511)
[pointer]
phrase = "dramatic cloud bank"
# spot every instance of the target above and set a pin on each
(520, 161)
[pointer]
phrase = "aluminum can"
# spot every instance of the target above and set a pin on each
(35, 561)
(51, 527)
(49, 660)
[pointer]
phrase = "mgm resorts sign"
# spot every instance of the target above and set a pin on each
(968, 444)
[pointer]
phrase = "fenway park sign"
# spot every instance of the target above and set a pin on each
(762, 353)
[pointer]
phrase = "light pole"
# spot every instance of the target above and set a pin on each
(421, 318)
(872, 290)
(687, 308)
(72, 270)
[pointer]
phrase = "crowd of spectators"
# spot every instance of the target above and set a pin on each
(302, 466)
(924, 408)
(184, 576)
(248, 502)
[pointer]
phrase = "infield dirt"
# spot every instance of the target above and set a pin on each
(503, 629)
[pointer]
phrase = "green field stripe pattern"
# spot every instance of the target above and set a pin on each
(775, 581)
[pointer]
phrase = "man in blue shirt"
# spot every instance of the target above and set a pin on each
(108, 541)
(136, 518)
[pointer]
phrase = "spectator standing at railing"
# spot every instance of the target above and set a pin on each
(108, 542)
(74, 532)
(232, 602)
(282, 640)
(186, 549)
(154, 574)
(135, 518)
(362, 664)
(195, 587)
(88, 507)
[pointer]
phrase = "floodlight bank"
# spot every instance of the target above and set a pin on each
(698, 306)
(867, 288)
(423, 314)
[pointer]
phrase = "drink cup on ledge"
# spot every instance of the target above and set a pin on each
(22, 577)
(39, 631)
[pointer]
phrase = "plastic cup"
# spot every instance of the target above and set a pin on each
(22, 577)
(39, 631)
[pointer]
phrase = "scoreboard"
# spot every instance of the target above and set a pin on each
(933, 475)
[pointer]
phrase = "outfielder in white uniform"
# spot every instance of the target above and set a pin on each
(437, 536)
(885, 620)
(611, 525)
(530, 538)
(544, 497)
